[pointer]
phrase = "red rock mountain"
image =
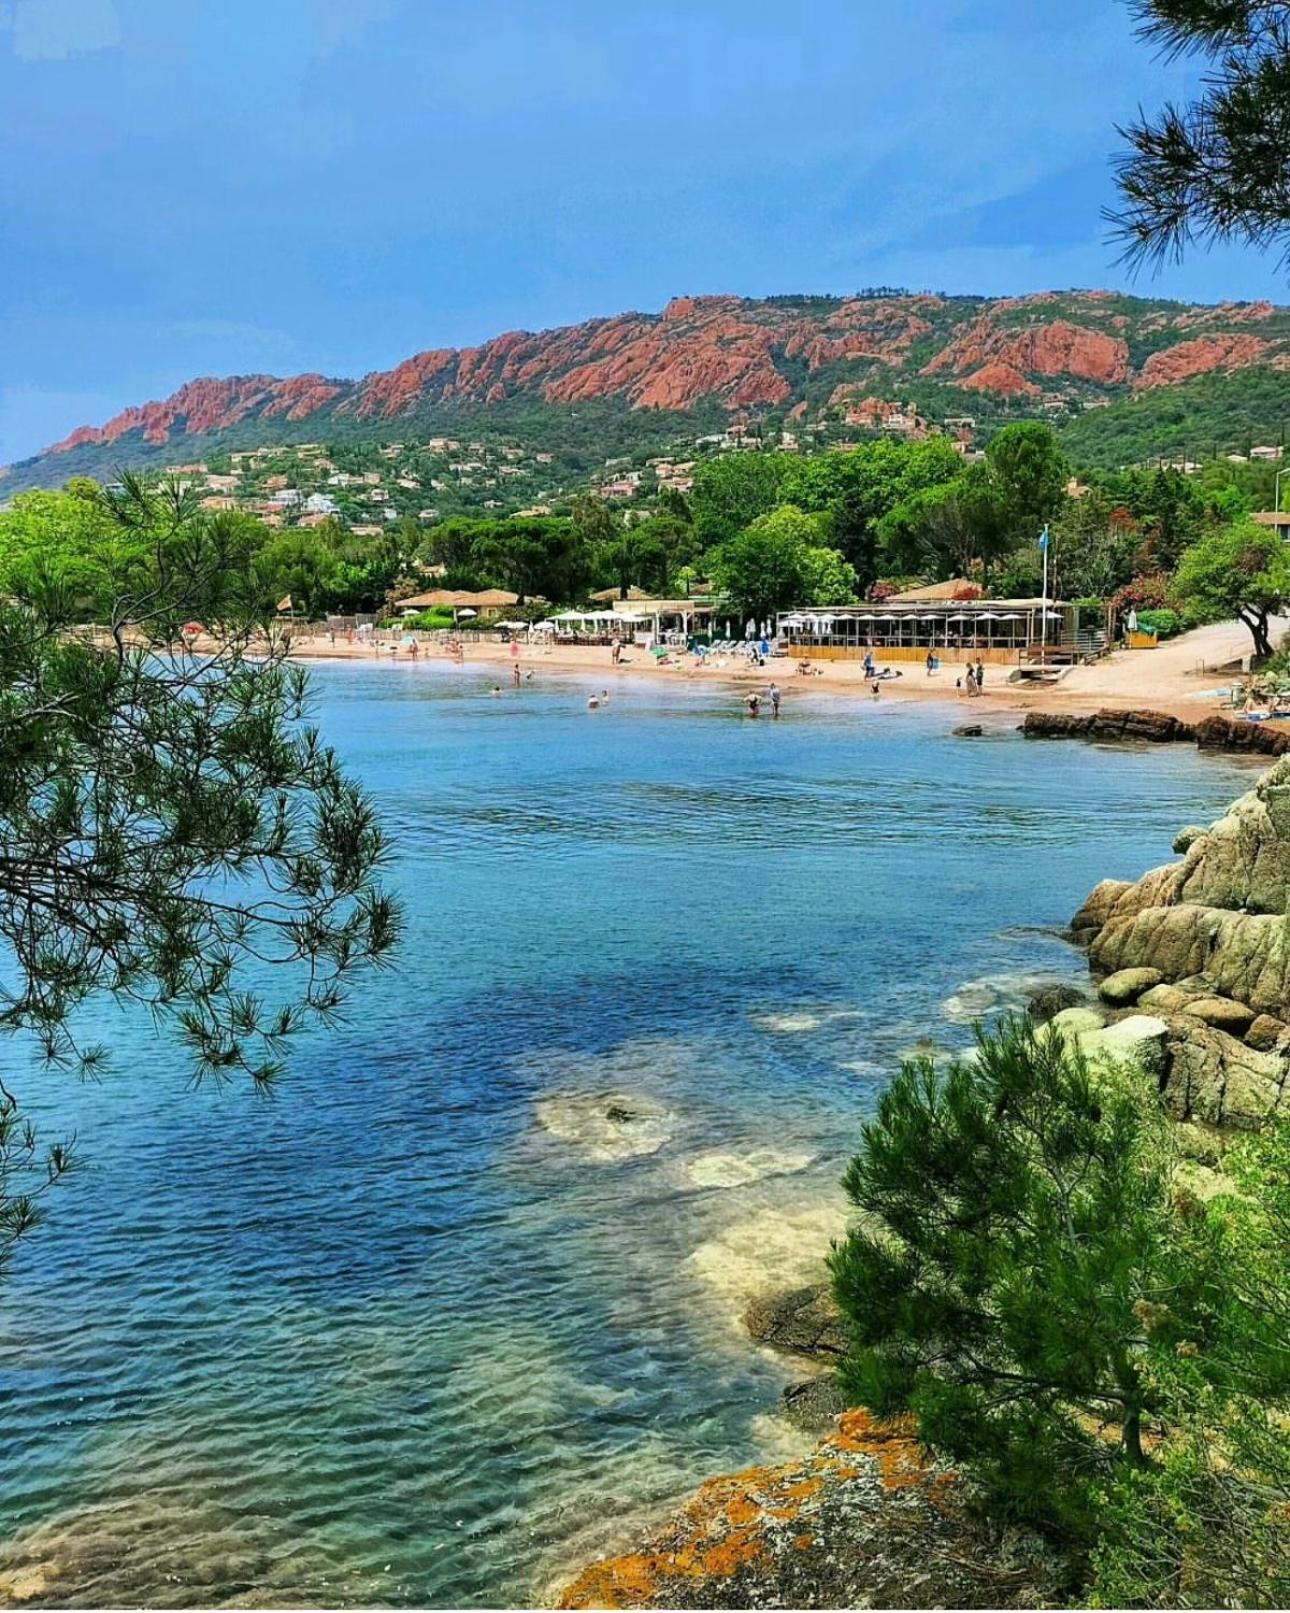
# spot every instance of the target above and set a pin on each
(1062, 350)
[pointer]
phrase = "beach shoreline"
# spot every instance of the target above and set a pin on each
(1168, 681)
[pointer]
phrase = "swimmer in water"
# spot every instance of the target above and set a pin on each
(496, 689)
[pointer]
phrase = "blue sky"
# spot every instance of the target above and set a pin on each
(195, 187)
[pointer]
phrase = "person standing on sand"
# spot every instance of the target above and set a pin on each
(515, 673)
(931, 662)
(980, 675)
(970, 677)
(774, 700)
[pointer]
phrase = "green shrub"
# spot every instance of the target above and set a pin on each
(1163, 623)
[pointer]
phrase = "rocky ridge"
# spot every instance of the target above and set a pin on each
(741, 354)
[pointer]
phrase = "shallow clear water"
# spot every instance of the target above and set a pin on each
(398, 1335)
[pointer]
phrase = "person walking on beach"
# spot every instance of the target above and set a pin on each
(774, 700)
(868, 663)
(970, 675)
(980, 675)
(931, 663)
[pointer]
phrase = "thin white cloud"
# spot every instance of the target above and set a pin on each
(52, 30)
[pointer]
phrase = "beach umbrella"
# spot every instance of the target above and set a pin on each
(465, 615)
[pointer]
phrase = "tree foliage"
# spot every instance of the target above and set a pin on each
(1241, 570)
(782, 559)
(171, 833)
(1017, 1263)
(1216, 169)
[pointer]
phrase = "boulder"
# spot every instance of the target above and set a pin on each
(1125, 986)
(1046, 1002)
(1186, 838)
(1222, 1013)
(1231, 733)
(803, 1321)
(968, 730)
(1078, 1021)
(1265, 1033)
(1138, 1040)
(1165, 999)
(1217, 1080)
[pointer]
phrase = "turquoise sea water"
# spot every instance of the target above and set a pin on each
(401, 1335)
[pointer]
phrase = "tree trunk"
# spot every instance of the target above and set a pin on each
(1257, 622)
(1131, 1437)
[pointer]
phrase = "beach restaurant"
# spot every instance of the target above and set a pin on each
(999, 631)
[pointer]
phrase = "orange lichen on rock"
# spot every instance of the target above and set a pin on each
(738, 1520)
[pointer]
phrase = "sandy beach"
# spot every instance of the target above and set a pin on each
(1187, 676)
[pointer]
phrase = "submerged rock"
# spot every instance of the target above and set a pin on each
(804, 1321)
(720, 1168)
(606, 1126)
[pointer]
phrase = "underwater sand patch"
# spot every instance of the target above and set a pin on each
(726, 1168)
(773, 1250)
(795, 1021)
(606, 1126)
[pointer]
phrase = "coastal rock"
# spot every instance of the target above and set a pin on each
(1229, 733)
(1265, 1033)
(1047, 1001)
(1137, 1040)
(1166, 999)
(1186, 838)
(1159, 727)
(814, 1405)
(1217, 1080)
(1078, 1021)
(863, 1521)
(804, 1321)
(1222, 1013)
(1125, 986)
(968, 730)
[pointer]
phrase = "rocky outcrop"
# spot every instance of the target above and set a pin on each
(1204, 943)
(1048, 348)
(1160, 727)
(1203, 356)
(864, 1521)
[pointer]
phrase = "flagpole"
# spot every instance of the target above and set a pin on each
(1043, 634)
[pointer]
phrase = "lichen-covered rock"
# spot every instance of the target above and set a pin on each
(1137, 1040)
(1217, 1080)
(814, 1405)
(1076, 1021)
(1125, 986)
(863, 1521)
(1186, 838)
(1166, 999)
(1265, 1033)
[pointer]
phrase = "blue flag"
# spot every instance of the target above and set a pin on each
(1043, 539)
